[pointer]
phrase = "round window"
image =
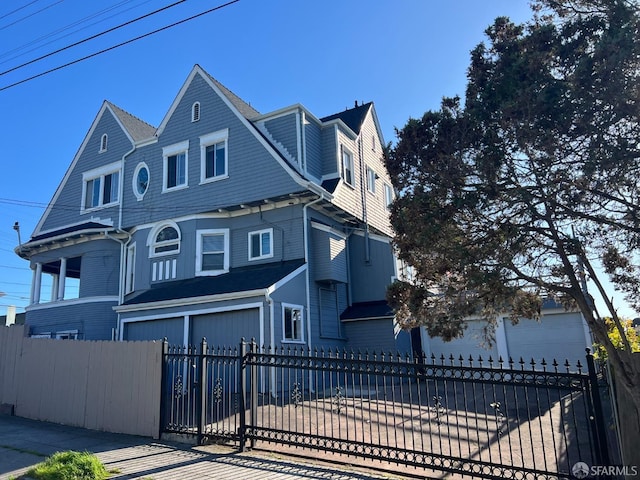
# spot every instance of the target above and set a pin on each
(141, 180)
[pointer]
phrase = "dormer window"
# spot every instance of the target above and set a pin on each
(347, 167)
(195, 112)
(103, 143)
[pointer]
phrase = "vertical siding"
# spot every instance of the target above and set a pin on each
(329, 314)
(226, 329)
(171, 328)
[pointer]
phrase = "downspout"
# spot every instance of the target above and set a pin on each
(123, 245)
(363, 195)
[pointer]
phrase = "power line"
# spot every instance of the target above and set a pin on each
(67, 27)
(31, 15)
(92, 37)
(18, 9)
(166, 27)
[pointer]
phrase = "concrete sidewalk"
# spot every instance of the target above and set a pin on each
(23, 443)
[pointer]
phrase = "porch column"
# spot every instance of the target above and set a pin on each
(62, 278)
(36, 283)
(54, 287)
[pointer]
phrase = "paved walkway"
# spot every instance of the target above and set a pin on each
(23, 443)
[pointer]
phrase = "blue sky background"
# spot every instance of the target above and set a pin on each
(404, 55)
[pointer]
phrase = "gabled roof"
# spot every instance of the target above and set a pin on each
(136, 128)
(243, 107)
(242, 279)
(353, 117)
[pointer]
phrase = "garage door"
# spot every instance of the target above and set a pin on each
(470, 344)
(171, 328)
(226, 329)
(557, 336)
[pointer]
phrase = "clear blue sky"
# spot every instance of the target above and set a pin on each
(404, 55)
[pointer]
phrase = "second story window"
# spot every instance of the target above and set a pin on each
(213, 152)
(101, 187)
(347, 167)
(371, 180)
(261, 244)
(166, 241)
(212, 252)
(388, 195)
(175, 165)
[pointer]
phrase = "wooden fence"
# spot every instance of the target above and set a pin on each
(101, 385)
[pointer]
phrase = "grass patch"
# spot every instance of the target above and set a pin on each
(69, 466)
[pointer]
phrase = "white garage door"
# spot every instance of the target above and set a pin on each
(471, 344)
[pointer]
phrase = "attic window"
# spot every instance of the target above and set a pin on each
(103, 143)
(195, 112)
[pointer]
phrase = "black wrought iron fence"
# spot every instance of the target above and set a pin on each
(493, 419)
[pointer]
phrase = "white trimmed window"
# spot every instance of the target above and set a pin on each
(103, 143)
(195, 112)
(292, 323)
(100, 187)
(212, 252)
(213, 154)
(388, 195)
(261, 244)
(67, 335)
(175, 166)
(164, 240)
(347, 167)
(371, 180)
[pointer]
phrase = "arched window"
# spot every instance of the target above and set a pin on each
(103, 143)
(164, 240)
(195, 112)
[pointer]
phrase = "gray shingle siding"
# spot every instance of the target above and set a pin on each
(284, 130)
(63, 212)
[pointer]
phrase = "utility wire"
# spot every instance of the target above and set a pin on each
(60, 67)
(63, 29)
(92, 37)
(30, 15)
(18, 9)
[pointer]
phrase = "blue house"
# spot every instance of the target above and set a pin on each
(223, 223)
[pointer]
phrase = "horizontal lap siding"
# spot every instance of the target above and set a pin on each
(369, 280)
(62, 213)
(254, 174)
(284, 131)
(313, 148)
(93, 320)
(375, 336)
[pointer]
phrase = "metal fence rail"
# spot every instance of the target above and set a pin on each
(489, 418)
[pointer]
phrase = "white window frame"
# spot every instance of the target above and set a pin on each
(99, 174)
(130, 269)
(199, 236)
(134, 180)
(170, 151)
(195, 112)
(72, 335)
(151, 240)
(346, 164)
(371, 180)
(262, 254)
(293, 307)
(206, 141)
(41, 335)
(103, 143)
(388, 195)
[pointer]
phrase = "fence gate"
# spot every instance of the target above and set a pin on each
(491, 419)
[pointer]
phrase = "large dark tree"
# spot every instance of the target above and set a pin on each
(528, 186)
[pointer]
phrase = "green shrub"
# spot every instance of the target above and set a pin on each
(69, 466)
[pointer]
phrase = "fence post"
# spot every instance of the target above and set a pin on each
(242, 389)
(201, 389)
(254, 391)
(602, 446)
(164, 360)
